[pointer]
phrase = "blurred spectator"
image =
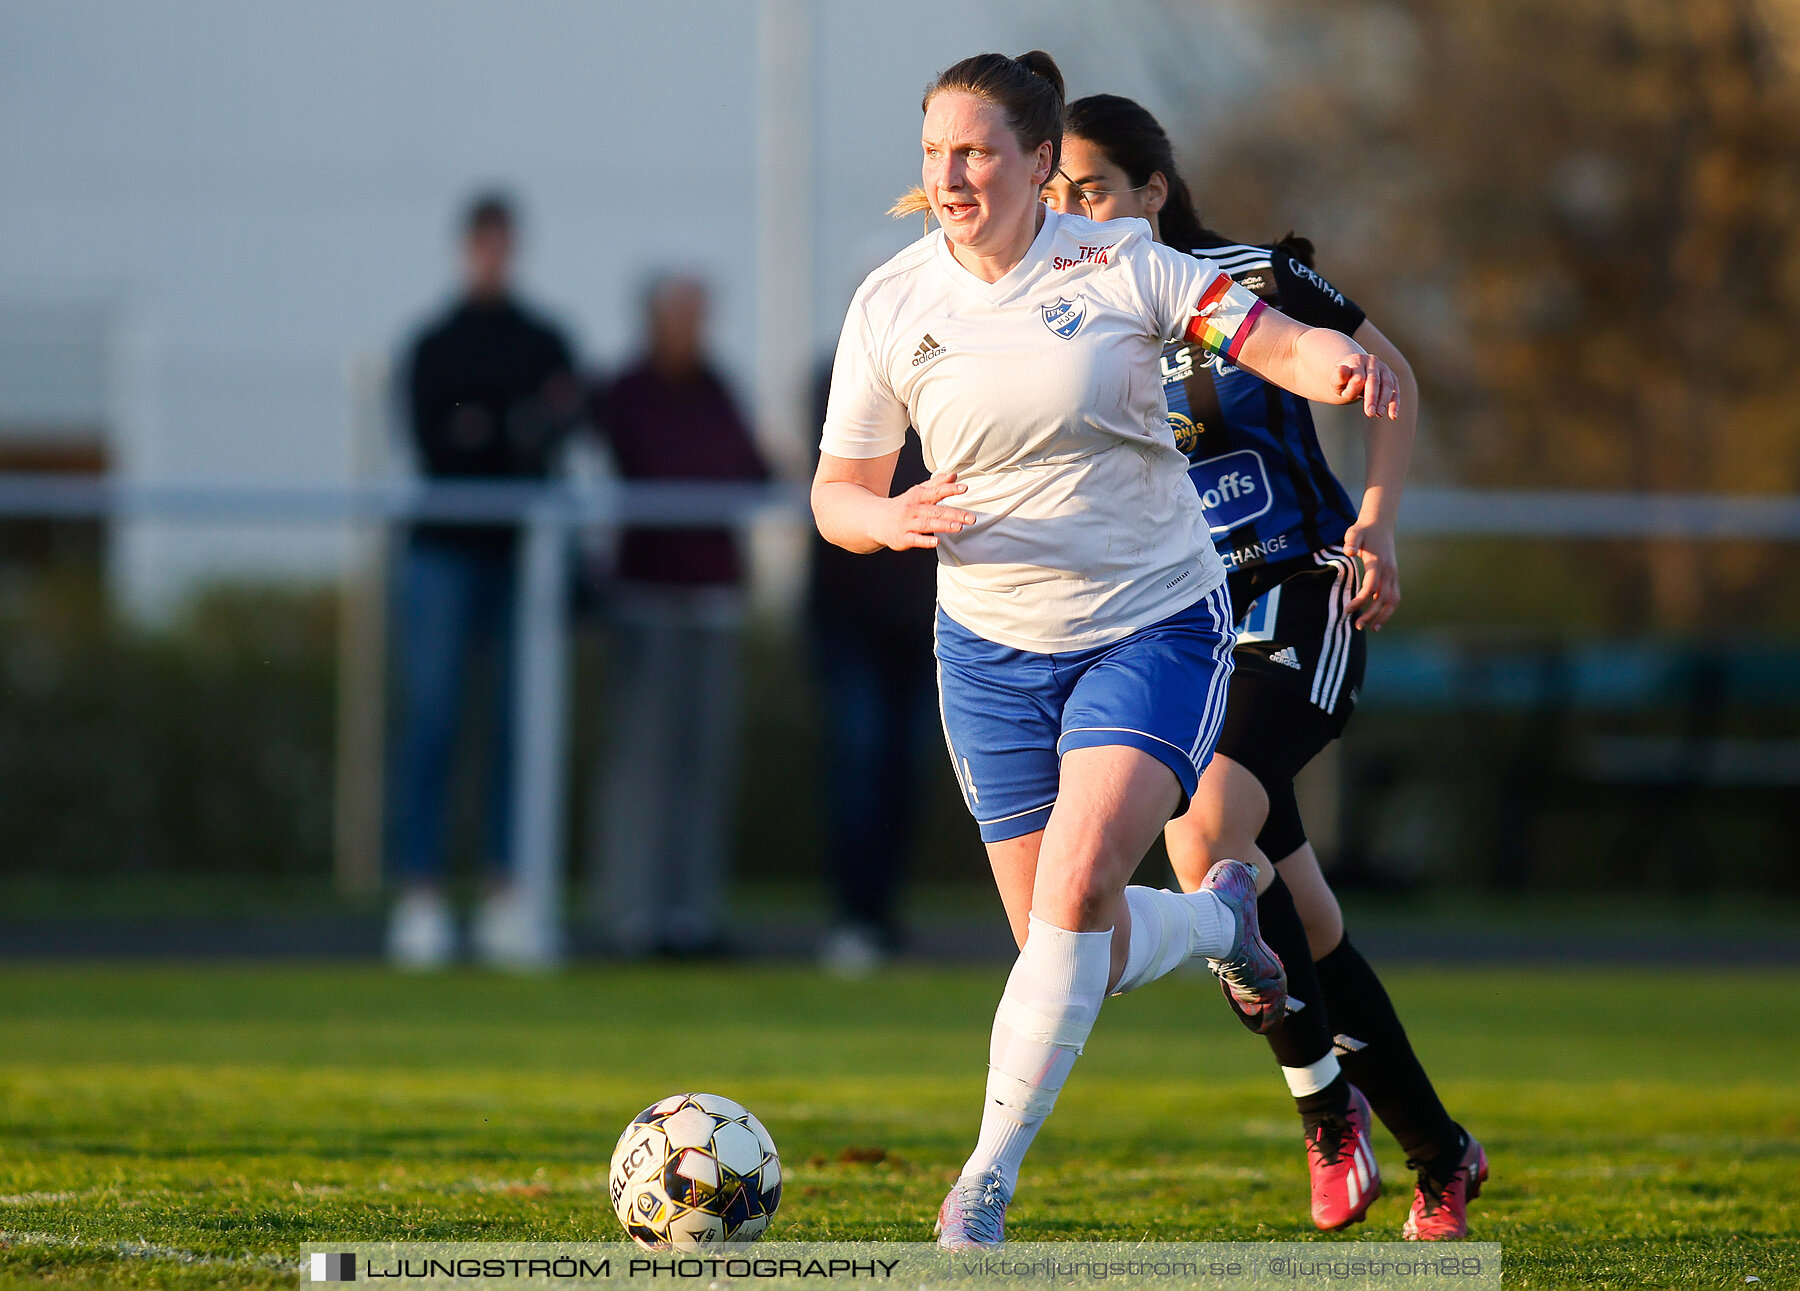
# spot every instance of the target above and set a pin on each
(665, 795)
(491, 388)
(870, 620)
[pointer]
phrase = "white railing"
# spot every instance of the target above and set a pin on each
(548, 514)
(1427, 511)
(1571, 514)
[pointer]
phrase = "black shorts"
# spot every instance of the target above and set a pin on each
(1297, 669)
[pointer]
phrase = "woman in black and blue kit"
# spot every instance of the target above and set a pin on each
(1309, 574)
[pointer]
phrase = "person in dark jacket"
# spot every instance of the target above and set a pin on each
(490, 390)
(869, 618)
(665, 795)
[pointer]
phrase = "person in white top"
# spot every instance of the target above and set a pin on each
(1084, 630)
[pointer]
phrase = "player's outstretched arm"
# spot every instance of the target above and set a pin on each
(1387, 449)
(1317, 363)
(852, 508)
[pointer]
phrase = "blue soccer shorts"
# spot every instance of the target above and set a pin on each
(1009, 715)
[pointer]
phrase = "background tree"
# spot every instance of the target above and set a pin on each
(1582, 220)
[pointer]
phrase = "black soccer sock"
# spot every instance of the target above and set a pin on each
(1333, 1100)
(1444, 1165)
(1379, 1060)
(1303, 1036)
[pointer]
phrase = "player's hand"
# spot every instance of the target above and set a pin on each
(1378, 595)
(915, 519)
(1375, 381)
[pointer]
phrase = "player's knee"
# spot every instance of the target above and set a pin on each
(1080, 908)
(1211, 834)
(1185, 843)
(1203, 829)
(1080, 901)
(1227, 813)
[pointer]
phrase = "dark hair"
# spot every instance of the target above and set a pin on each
(1135, 142)
(1028, 88)
(491, 211)
(1298, 247)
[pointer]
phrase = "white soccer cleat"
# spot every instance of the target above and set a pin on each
(973, 1216)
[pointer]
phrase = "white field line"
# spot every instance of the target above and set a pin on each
(142, 1250)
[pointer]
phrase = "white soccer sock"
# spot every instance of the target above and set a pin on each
(1049, 1006)
(1302, 1081)
(1170, 928)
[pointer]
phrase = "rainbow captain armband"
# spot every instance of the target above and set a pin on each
(1223, 316)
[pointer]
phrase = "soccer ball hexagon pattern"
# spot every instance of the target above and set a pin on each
(692, 1171)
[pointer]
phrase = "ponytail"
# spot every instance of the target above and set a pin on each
(1180, 223)
(1298, 247)
(912, 202)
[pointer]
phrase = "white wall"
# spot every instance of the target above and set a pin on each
(260, 193)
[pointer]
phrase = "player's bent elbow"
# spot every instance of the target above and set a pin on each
(837, 529)
(850, 540)
(1301, 360)
(857, 546)
(1326, 352)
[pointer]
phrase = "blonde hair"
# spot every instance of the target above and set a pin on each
(912, 202)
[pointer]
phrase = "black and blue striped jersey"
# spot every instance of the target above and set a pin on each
(1269, 494)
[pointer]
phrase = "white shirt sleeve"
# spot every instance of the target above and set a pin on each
(863, 417)
(1170, 282)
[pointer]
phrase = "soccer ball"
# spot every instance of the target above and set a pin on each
(695, 1170)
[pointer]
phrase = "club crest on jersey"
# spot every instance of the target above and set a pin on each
(1066, 316)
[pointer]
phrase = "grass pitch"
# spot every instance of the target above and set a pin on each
(176, 1126)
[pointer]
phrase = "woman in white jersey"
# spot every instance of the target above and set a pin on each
(1084, 629)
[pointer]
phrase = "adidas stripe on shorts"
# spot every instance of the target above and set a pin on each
(1300, 637)
(1009, 715)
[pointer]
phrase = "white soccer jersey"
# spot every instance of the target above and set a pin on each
(1042, 392)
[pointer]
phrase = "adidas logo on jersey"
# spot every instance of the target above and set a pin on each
(1286, 658)
(927, 351)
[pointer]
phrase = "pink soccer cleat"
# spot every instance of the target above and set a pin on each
(1345, 1179)
(1440, 1209)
